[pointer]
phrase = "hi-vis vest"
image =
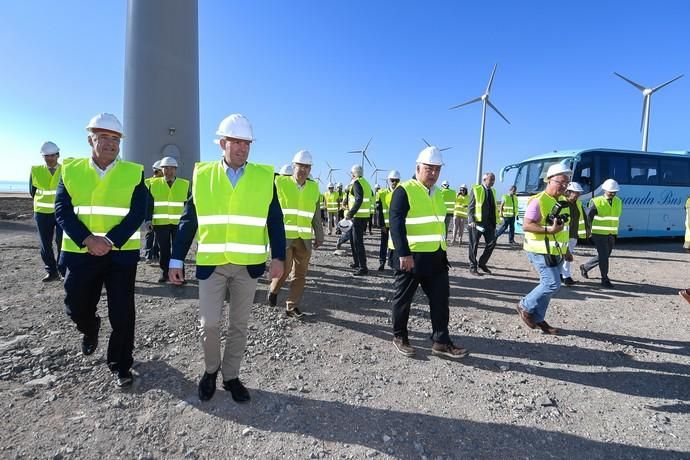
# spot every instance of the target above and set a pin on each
(332, 201)
(509, 205)
(425, 222)
(479, 197)
(168, 202)
(536, 242)
(448, 199)
(385, 197)
(46, 185)
(687, 222)
(581, 225)
(232, 220)
(298, 206)
(100, 203)
(322, 201)
(605, 222)
(365, 209)
(462, 202)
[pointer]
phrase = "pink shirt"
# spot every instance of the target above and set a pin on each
(533, 212)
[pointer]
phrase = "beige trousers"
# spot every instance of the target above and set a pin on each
(296, 261)
(235, 280)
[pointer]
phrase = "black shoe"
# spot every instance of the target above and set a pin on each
(474, 272)
(485, 269)
(583, 272)
(382, 267)
(207, 386)
(89, 343)
(568, 281)
(239, 392)
(361, 272)
(606, 283)
(124, 379)
(272, 299)
(354, 266)
(163, 278)
(55, 276)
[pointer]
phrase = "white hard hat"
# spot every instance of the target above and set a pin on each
(285, 170)
(168, 161)
(394, 174)
(49, 148)
(377, 187)
(106, 121)
(345, 224)
(445, 183)
(157, 164)
(557, 169)
(339, 185)
(330, 185)
(302, 157)
(236, 126)
(357, 170)
(430, 156)
(575, 187)
(464, 186)
(610, 185)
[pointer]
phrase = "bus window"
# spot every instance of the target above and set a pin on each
(674, 172)
(583, 174)
(614, 167)
(643, 171)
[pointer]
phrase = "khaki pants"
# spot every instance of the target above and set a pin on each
(235, 280)
(296, 260)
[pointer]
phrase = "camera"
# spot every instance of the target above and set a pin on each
(555, 215)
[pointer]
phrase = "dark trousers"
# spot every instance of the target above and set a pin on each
(83, 284)
(165, 236)
(508, 224)
(151, 247)
(489, 234)
(371, 219)
(47, 228)
(383, 248)
(436, 289)
(448, 218)
(604, 245)
(359, 254)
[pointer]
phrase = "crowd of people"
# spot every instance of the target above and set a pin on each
(243, 215)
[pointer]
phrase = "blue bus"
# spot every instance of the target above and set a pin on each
(653, 185)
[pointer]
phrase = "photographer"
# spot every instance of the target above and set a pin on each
(546, 244)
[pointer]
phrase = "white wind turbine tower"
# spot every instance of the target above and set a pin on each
(440, 150)
(330, 171)
(363, 152)
(484, 98)
(376, 172)
(646, 104)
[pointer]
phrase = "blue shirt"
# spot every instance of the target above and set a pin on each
(233, 175)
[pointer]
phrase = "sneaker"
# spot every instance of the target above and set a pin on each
(448, 350)
(89, 343)
(237, 389)
(294, 313)
(569, 281)
(207, 386)
(272, 299)
(124, 379)
(583, 272)
(403, 346)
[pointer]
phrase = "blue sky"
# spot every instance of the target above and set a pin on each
(326, 76)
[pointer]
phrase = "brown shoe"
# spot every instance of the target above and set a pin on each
(544, 326)
(403, 346)
(684, 294)
(526, 317)
(448, 350)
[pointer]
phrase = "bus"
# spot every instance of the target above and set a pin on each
(653, 185)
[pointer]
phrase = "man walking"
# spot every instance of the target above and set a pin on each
(332, 200)
(418, 235)
(462, 201)
(151, 252)
(481, 218)
(43, 184)
(384, 198)
(509, 209)
(234, 206)
(578, 227)
(449, 200)
(359, 211)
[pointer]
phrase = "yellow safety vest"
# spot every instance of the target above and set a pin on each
(605, 222)
(322, 201)
(448, 199)
(332, 201)
(462, 202)
(365, 209)
(581, 225)
(100, 203)
(479, 197)
(168, 202)
(385, 197)
(298, 206)
(509, 205)
(687, 222)
(46, 185)
(232, 219)
(425, 221)
(536, 242)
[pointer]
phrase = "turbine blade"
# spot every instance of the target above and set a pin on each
(427, 144)
(491, 79)
(444, 149)
(497, 111)
(667, 83)
(355, 151)
(472, 101)
(367, 146)
(367, 158)
(636, 85)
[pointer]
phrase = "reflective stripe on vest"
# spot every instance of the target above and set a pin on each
(385, 197)
(448, 199)
(168, 202)
(581, 226)
(425, 221)
(364, 210)
(332, 201)
(232, 220)
(605, 222)
(479, 197)
(299, 206)
(100, 203)
(46, 186)
(509, 205)
(535, 242)
(462, 202)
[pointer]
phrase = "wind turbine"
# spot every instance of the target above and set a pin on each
(330, 171)
(440, 150)
(484, 98)
(376, 172)
(363, 152)
(646, 104)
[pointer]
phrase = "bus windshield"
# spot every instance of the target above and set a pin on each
(530, 175)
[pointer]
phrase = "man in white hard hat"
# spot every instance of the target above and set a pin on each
(418, 240)
(359, 211)
(578, 227)
(341, 204)
(43, 183)
(100, 204)
(508, 211)
(169, 194)
(604, 214)
(462, 201)
(331, 197)
(449, 200)
(481, 218)
(299, 199)
(285, 170)
(384, 198)
(546, 245)
(234, 206)
(151, 251)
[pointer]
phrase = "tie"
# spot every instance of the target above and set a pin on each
(52, 171)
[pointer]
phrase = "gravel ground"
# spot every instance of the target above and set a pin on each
(614, 385)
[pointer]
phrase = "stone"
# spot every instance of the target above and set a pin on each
(47, 380)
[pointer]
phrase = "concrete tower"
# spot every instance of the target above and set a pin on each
(162, 83)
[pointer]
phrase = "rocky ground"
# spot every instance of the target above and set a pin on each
(614, 385)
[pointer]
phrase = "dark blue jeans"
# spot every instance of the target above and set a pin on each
(47, 228)
(508, 224)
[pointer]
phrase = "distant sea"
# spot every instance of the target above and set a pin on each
(14, 186)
